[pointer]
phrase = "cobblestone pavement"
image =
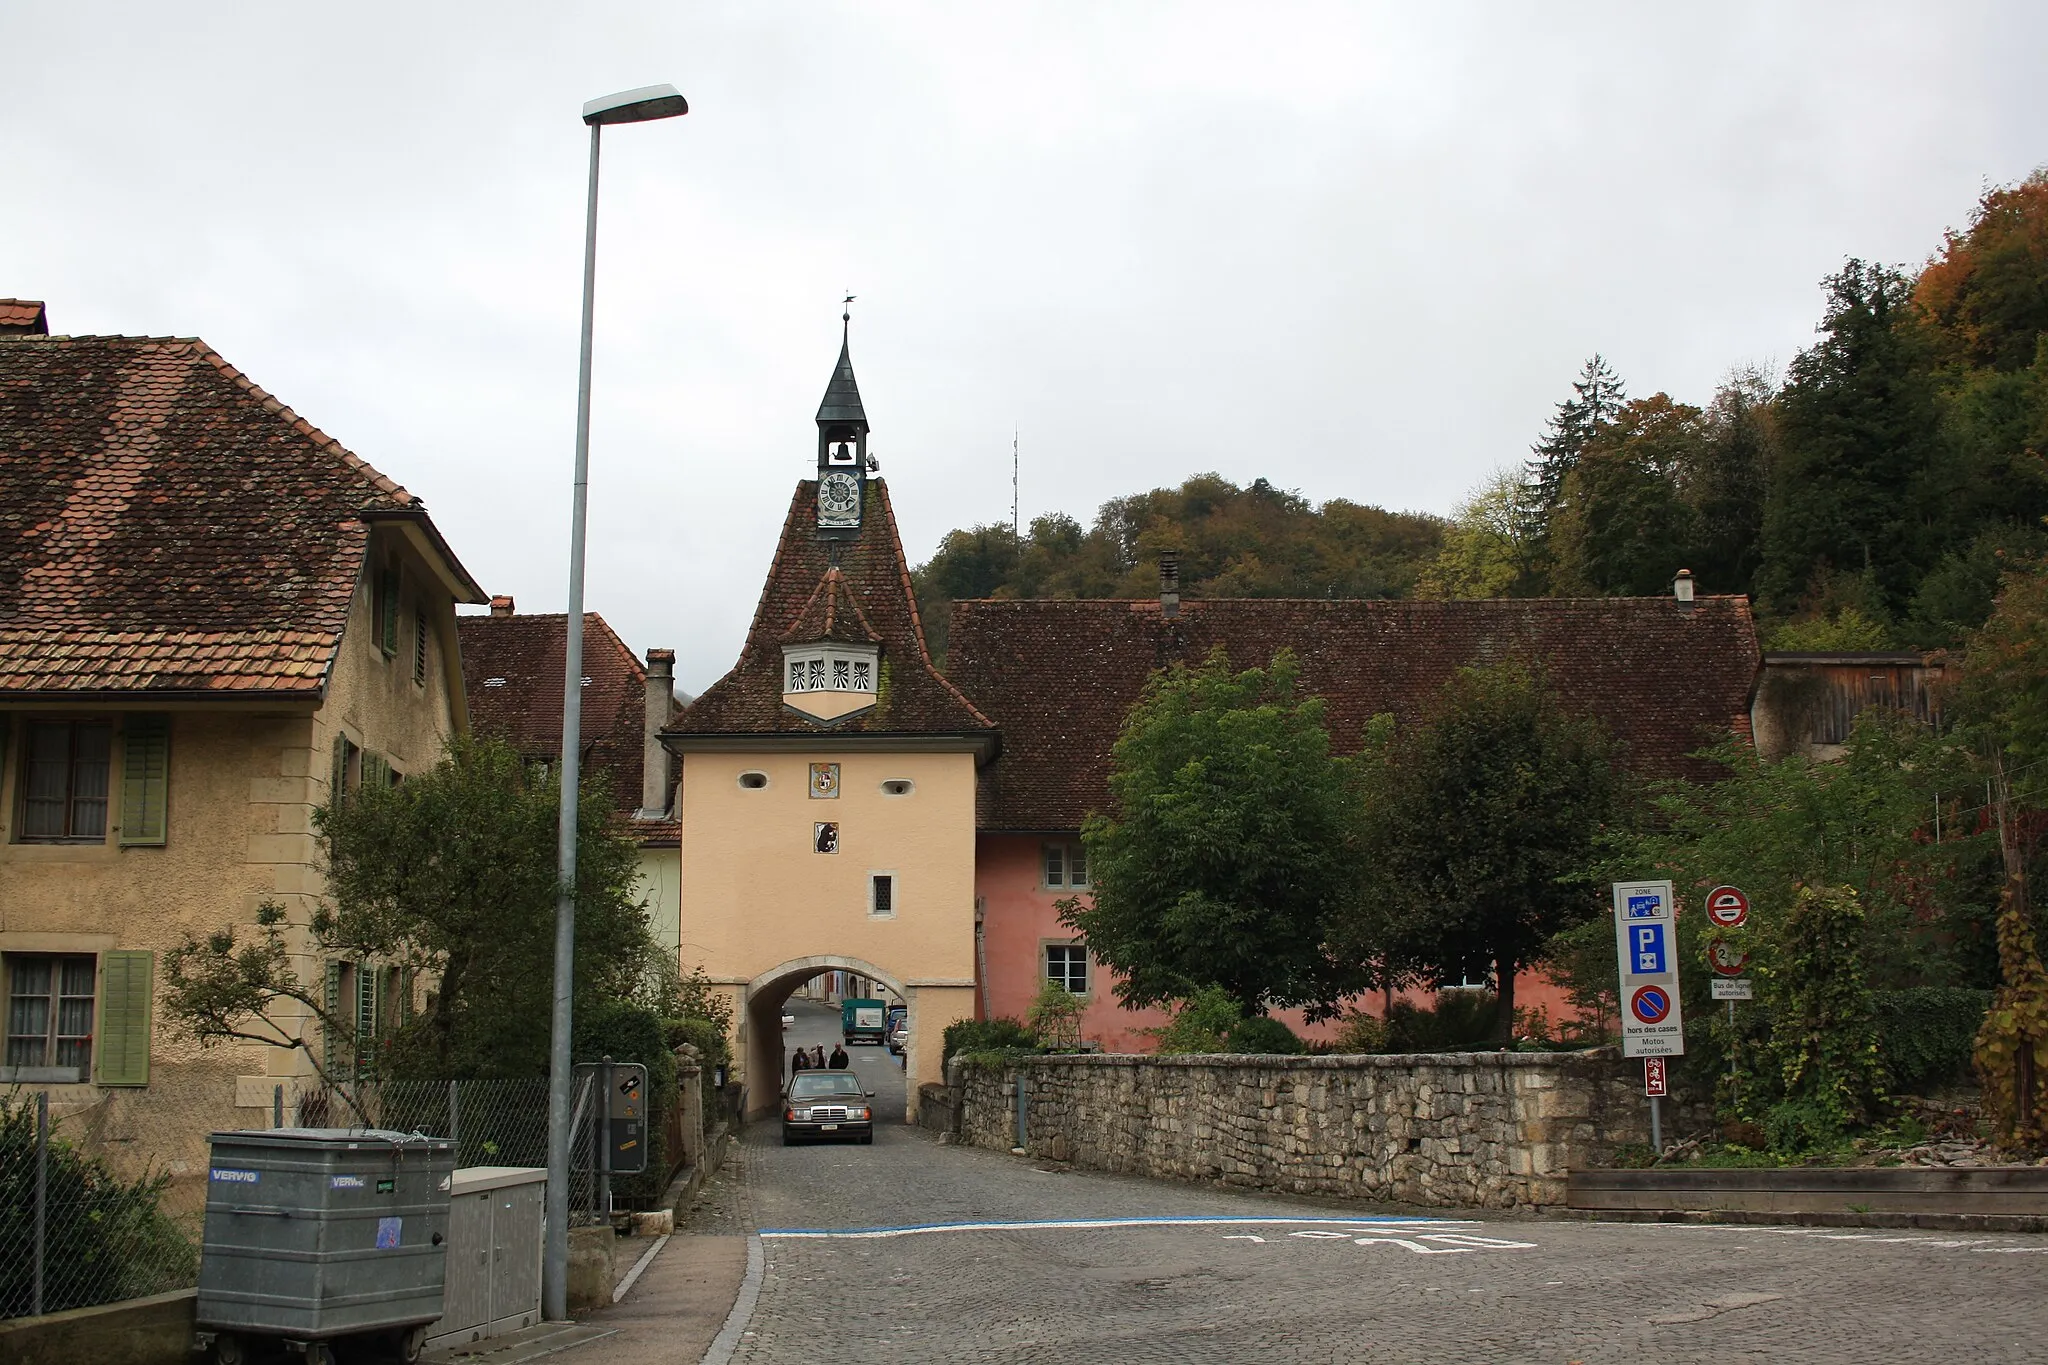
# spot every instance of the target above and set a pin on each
(1311, 1280)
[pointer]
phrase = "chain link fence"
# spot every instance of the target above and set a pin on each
(72, 1232)
(492, 1122)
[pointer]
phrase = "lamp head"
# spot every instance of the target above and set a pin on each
(636, 106)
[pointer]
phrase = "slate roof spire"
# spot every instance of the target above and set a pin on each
(842, 396)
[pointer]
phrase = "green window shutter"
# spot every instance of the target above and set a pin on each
(125, 1016)
(376, 770)
(340, 785)
(387, 611)
(145, 780)
(330, 1000)
(366, 1019)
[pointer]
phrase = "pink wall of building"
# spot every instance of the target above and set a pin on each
(1018, 921)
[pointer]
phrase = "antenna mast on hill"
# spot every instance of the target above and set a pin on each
(1015, 527)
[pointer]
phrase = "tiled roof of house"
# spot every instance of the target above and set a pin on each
(1058, 677)
(23, 315)
(912, 699)
(833, 613)
(512, 670)
(168, 526)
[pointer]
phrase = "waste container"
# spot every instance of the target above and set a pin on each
(314, 1234)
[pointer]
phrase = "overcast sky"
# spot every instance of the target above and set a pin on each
(1359, 250)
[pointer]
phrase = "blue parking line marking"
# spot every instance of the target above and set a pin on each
(1157, 1220)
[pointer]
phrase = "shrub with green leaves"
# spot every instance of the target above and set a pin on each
(1457, 1021)
(109, 1239)
(1200, 1023)
(1925, 1033)
(986, 1035)
(1263, 1034)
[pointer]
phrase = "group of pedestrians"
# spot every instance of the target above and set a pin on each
(814, 1059)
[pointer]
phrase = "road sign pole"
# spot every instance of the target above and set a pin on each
(604, 1145)
(1656, 1126)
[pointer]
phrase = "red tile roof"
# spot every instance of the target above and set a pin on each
(23, 315)
(512, 670)
(833, 613)
(168, 526)
(872, 573)
(1058, 677)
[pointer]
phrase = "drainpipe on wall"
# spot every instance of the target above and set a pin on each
(980, 958)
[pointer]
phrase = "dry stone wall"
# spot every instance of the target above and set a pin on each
(1496, 1130)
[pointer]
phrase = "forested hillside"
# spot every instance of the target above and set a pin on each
(1867, 498)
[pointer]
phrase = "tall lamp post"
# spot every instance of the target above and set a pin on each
(630, 106)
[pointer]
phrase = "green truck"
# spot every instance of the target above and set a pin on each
(863, 1021)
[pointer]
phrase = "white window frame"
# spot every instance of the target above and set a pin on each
(1070, 853)
(49, 1071)
(1065, 978)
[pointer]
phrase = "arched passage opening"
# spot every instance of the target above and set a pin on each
(761, 1032)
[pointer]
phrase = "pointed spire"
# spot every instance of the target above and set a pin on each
(842, 395)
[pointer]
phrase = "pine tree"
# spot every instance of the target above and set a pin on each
(1597, 396)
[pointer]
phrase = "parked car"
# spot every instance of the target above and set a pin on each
(788, 1019)
(827, 1104)
(899, 1038)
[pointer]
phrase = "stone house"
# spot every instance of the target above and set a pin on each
(211, 614)
(512, 671)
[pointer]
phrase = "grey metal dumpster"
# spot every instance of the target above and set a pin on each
(318, 1233)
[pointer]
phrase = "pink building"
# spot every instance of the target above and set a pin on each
(1058, 677)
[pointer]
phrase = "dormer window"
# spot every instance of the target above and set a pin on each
(829, 668)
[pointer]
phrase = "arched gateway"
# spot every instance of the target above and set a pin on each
(828, 783)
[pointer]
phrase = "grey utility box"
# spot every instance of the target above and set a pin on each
(318, 1233)
(494, 1246)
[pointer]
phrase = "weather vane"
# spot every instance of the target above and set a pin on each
(846, 306)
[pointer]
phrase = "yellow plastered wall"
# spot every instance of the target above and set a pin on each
(761, 908)
(244, 779)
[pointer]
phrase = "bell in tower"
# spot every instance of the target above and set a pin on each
(842, 447)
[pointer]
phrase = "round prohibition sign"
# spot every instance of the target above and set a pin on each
(1727, 907)
(1651, 1004)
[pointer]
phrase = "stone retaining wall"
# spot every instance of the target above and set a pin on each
(1487, 1129)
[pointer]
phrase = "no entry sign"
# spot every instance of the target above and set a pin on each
(1653, 1077)
(1645, 939)
(1727, 907)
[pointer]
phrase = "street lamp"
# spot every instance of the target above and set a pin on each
(630, 106)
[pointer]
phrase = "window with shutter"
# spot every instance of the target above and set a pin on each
(387, 611)
(145, 780)
(330, 1002)
(65, 781)
(125, 1017)
(419, 648)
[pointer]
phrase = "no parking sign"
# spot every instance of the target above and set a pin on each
(1652, 1025)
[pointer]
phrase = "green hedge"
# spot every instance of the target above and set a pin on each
(987, 1035)
(1263, 1034)
(632, 1033)
(1925, 1033)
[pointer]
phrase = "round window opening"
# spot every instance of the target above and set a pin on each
(753, 781)
(898, 786)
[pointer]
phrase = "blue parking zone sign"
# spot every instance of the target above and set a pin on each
(1648, 948)
(1646, 944)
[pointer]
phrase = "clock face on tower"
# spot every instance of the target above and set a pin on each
(839, 499)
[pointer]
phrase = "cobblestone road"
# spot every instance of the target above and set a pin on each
(1061, 1277)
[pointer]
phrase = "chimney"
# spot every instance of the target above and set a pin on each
(1169, 583)
(23, 318)
(501, 606)
(1681, 589)
(661, 679)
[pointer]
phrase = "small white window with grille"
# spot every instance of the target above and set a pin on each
(829, 668)
(1067, 964)
(882, 895)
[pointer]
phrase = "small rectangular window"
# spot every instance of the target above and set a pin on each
(863, 676)
(64, 780)
(1055, 865)
(1077, 865)
(796, 676)
(1067, 964)
(816, 677)
(49, 1011)
(419, 648)
(882, 895)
